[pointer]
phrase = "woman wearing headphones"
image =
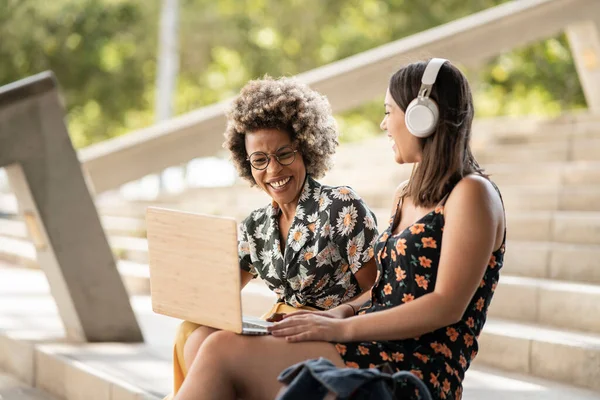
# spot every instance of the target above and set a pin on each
(438, 263)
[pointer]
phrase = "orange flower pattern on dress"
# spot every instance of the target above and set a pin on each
(429, 242)
(400, 274)
(340, 348)
(417, 373)
(434, 380)
(425, 262)
(417, 228)
(452, 334)
(421, 281)
(480, 304)
(468, 340)
(407, 265)
(387, 289)
(401, 247)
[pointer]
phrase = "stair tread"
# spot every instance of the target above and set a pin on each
(13, 389)
(532, 331)
(550, 284)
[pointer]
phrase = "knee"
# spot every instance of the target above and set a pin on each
(221, 345)
(194, 340)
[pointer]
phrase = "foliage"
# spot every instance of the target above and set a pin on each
(103, 52)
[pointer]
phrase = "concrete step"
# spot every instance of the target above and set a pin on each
(373, 151)
(113, 225)
(549, 260)
(501, 146)
(485, 383)
(22, 252)
(519, 198)
(523, 130)
(13, 389)
(128, 371)
(560, 226)
(548, 302)
(571, 227)
(367, 178)
(554, 354)
(551, 198)
(112, 372)
(576, 150)
(546, 173)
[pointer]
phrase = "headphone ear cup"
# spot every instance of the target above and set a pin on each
(421, 117)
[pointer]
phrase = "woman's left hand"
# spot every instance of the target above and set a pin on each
(311, 327)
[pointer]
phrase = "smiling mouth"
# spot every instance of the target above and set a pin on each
(280, 183)
(392, 143)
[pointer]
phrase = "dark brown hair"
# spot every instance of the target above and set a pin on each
(447, 155)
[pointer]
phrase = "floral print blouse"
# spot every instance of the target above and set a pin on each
(330, 238)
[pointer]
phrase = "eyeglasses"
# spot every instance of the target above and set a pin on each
(284, 156)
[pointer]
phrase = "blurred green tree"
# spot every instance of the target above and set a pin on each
(98, 49)
(103, 54)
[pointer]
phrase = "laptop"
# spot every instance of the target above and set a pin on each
(194, 270)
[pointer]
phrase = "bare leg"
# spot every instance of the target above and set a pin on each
(230, 366)
(194, 342)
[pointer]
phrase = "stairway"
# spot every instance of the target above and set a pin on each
(544, 320)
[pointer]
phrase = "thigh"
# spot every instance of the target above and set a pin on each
(255, 361)
(193, 342)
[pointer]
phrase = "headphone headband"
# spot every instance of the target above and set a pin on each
(430, 75)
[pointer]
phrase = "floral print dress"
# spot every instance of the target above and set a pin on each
(407, 269)
(330, 239)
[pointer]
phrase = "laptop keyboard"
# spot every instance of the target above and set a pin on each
(250, 325)
(254, 326)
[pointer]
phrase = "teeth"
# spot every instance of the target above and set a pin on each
(280, 183)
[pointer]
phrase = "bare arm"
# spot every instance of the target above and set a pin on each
(473, 214)
(366, 275)
(245, 277)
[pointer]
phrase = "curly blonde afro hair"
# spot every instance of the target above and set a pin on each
(288, 105)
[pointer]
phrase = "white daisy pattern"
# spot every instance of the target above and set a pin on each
(346, 220)
(305, 193)
(354, 249)
(258, 214)
(297, 237)
(324, 202)
(328, 302)
(344, 193)
(314, 217)
(299, 213)
(329, 239)
(369, 222)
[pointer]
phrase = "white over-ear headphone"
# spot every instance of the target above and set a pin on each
(422, 113)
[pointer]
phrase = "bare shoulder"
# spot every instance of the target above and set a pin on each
(475, 193)
(400, 188)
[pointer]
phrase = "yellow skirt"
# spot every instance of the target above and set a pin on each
(185, 330)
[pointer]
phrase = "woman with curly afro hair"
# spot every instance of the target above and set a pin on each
(313, 244)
